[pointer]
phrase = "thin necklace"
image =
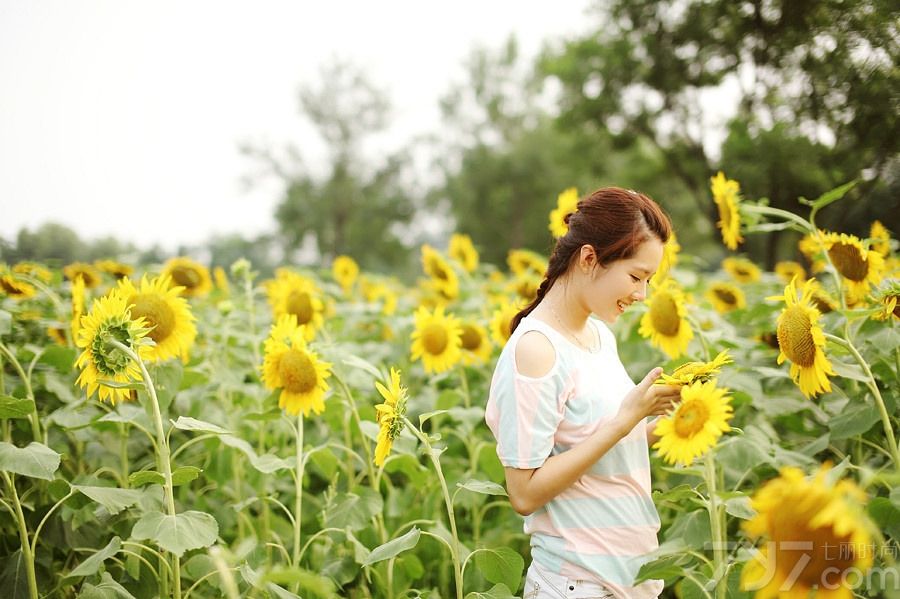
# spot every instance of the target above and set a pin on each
(569, 331)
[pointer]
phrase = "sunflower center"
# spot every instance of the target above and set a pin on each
(300, 305)
(297, 371)
(690, 419)
(725, 295)
(664, 315)
(806, 552)
(848, 261)
(186, 277)
(471, 340)
(435, 339)
(157, 312)
(795, 337)
(109, 359)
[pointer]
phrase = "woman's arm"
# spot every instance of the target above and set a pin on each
(530, 489)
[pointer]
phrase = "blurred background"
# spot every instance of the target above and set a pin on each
(291, 132)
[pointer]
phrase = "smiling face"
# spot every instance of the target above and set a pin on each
(608, 291)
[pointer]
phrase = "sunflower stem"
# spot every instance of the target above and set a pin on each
(27, 554)
(716, 526)
(454, 550)
(873, 387)
(467, 399)
(298, 489)
(786, 215)
(163, 455)
(29, 393)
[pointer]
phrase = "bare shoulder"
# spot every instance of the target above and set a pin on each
(535, 355)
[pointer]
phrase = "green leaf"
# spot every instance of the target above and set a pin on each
(854, 420)
(186, 423)
(267, 464)
(5, 322)
(121, 385)
(692, 527)
(61, 358)
(739, 507)
(352, 510)
(146, 477)
(36, 460)
(849, 371)
(429, 415)
(113, 499)
(178, 533)
(666, 567)
(357, 362)
(185, 474)
(12, 407)
(92, 564)
(829, 196)
(485, 487)
(498, 591)
(500, 565)
(107, 589)
(311, 582)
(395, 547)
(886, 515)
(13, 578)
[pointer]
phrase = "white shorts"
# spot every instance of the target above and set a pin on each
(543, 584)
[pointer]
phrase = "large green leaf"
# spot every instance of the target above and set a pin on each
(107, 589)
(854, 420)
(500, 565)
(178, 533)
(113, 499)
(267, 463)
(92, 564)
(13, 578)
(395, 547)
(13, 407)
(352, 510)
(485, 487)
(36, 460)
(186, 423)
(498, 591)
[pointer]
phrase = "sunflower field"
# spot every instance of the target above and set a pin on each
(187, 434)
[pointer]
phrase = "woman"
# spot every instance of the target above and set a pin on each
(569, 422)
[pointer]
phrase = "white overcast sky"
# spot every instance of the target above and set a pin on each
(123, 118)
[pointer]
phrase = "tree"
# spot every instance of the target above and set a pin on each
(357, 207)
(823, 70)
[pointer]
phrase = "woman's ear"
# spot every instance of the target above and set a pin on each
(587, 258)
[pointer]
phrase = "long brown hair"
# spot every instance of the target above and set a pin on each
(612, 220)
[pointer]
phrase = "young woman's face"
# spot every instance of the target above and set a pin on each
(609, 291)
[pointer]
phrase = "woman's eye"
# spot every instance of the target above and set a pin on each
(634, 278)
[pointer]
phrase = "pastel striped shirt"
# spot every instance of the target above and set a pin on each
(601, 526)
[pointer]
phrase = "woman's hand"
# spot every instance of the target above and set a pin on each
(647, 399)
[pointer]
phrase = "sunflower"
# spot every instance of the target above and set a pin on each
(788, 269)
(501, 320)
(566, 203)
(741, 269)
(691, 372)
(162, 307)
(726, 196)
(14, 287)
(291, 293)
(291, 366)
(802, 340)
(525, 261)
(889, 298)
(58, 335)
(664, 323)
(116, 269)
(462, 250)
(821, 299)
(109, 319)
(193, 276)
(525, 286)
(817, 537)
(669, 260)
(345, 271)
(880, 238)
(92, 277)
(858, 266)
(696, 423)
(221, 280)
(726, 297)
(810, 245)
(443, 277)
(33, 269)
(389, 415)
(476, 345)
(437, 339)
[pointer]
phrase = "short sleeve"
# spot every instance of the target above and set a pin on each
(524, 413)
